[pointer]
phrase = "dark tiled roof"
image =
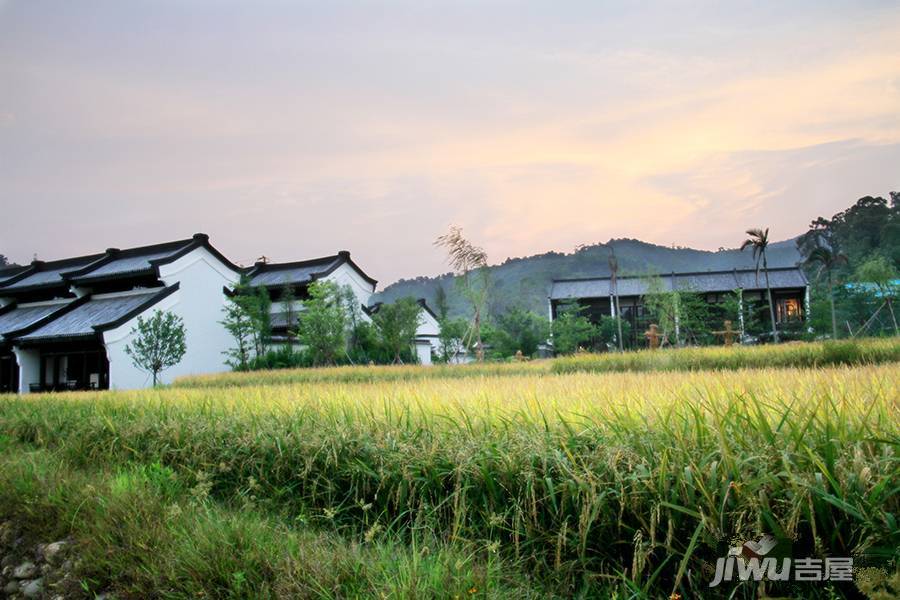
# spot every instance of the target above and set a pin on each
(112, 264)
(24, 315)
(292, 273)
(131, 263)
(9, 272)
(303, 272)
(713, 281)
(47, 274)
(98, 313)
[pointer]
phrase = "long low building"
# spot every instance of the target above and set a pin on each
(594, 295)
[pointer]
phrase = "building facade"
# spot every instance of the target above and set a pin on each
(64, 325)
(593, 297)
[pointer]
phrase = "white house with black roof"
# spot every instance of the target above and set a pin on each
(64, 325)
(276, 278)
(341, 270)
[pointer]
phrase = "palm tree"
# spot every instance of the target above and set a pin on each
(759, 241)
(827, 259)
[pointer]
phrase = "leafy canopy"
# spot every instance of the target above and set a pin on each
(158, 343)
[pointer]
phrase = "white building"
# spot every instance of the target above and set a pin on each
(64, 325)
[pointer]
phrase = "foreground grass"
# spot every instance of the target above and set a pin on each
(595, 484)
(141, 533)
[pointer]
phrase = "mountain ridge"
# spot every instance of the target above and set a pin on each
(524, 281)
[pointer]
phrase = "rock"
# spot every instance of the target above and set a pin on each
(7, 571)
(33, 588)
(7, 534)
(26, 570)
(55, 552)
(11, 588)
(7, 561)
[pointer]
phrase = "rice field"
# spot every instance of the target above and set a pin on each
(520, 480)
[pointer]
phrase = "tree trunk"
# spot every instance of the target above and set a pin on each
(154, 377)
(771, 304)
(834, 333)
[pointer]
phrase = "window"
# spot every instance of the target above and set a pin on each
(787, 309)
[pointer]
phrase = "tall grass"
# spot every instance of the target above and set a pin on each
(799, 354)
(587, 481)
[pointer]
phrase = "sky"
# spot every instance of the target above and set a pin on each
(295, 129)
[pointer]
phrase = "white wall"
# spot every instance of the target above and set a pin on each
(199, 302)
(347, 275)
(423, 352)
(29, 360)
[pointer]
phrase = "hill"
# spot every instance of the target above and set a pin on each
(524, 282)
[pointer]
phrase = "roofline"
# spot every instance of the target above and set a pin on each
(149, 303)
(39, 266)
(424, 304)
(13, 336)
(112, 254)
(262, 267)
(51, 316)
(679, 273)
(181, 248)
(332, 262)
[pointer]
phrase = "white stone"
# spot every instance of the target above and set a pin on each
(33, 588)
(26, 570)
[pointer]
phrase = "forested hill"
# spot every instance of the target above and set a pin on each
(525, 281)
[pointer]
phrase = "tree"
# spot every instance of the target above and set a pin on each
(680, 313)
(520, 329)
(826, 259)
(613, 263)
(242, 321)
(571, 331)
(470, 262)
(450, 339)
(260, 307)
(759, 242)
(322, 323)
(397, 324)
(879, 272)
(440, 302)
(288, 301)
(158, 343)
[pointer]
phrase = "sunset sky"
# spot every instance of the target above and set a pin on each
(295, 129)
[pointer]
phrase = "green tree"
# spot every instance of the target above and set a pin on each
(239, 323)
(759, 243)
(470, 262)
(288, 302)
(520, 329)
(322, 323)
(609, 331)
(882, 275)
(259, 305)
(826, 260)
(158, 343)
(440, 302)
(450, 339)
(396, 324)
(571, 331)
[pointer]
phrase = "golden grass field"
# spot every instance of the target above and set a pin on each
(515, 480)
